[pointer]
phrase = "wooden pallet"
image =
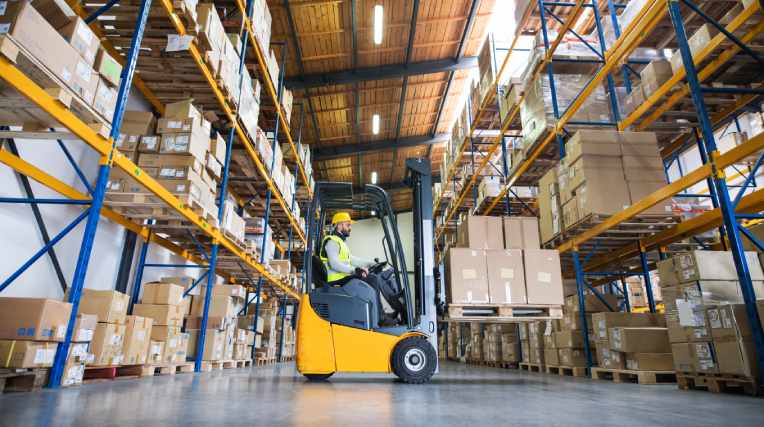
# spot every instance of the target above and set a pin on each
(243, 363)
(532, 367)
(20, 380)
(155, 369)
(503, 312)
(719, 383)
(629, 376)
(566, 371)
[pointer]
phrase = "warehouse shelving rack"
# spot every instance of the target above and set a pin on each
(734, 99)
(110, 157)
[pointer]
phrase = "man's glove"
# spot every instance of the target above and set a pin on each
(361, 272)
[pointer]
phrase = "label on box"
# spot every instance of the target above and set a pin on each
(177, 43)
(544, 277)
(83, 71)
(174, 124)
(116, 360)
(140, 335)
(507, 273)
(4, 28)
(84, 33)
(116, 339)
(60, 331)
(3, 7)
(66, 75)
(713, 319)
(150, 142)
(118, 305)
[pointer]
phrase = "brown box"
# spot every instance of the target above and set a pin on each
(704, 357)
(218, 148)
(467, 276)
(188, 124)
(149, 144)
(155, 352)
(169, 315)
(107, 344)
(604, 195)
(164, 333)
(699, 39)
(138, 123)
(607, 320)
(176, 343)
(84, 327)
(181, 110)
(162, 293)
(236, 291)
(599, 142)
(506, 278)
(657, 72)
(728, 321)
(572, 357)
(737, 357)
(649, 362)
(30, 30)
(569, 339)
(109, 306)
(639, 340)
(682, 355)
(592, 304)
(57, 12)
(33, 319)
(213, 322)
(82, 39)
(521, 233)
(193, 143)
(543, 277)
(26, 354)
(137, 339)
(105, 99)
(214, 344)
(220, 306)
(551, 357)
(481, 232)
(638, 190)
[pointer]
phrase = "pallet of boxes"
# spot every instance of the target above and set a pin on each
(497, 273)
(222, 335)
(30, 330)
(59, 52)
(177, 151)
(708, 327)
(167, 346)
(564, 346)
(266, 352)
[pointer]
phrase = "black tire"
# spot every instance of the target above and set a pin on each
(421, 363)
(318, 377)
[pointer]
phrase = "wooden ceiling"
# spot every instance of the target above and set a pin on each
(324, 31)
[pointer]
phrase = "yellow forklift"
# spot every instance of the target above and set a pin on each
(334, 332)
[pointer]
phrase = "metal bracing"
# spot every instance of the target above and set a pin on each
(326, 153)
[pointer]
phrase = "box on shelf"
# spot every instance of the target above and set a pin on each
(82, 39)
(506, 277)
(543, 276)
(107, 344)
(33, 319)
(26, 354)
(137, 339)
(84, 328)
(467, 276)
(108, 67)
(521, 232)
(169, 315)
(162, 293)
(481, 232)
(639, 339)
(109, 306)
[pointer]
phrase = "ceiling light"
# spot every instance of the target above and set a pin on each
(378, 24)
(374, 177)
(375, 124)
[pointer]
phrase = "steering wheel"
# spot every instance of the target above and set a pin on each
(378, 267)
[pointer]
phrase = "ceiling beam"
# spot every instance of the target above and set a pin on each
(327, 153)
(383, 72)
(298, 52)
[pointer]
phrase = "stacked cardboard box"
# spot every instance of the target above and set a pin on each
(697, 41)
(244, 340)
(111, 309)
(67, 48)
(79, 350)
(137, 340)
(707, 326)
(163, 303)
(603, 172)
(270, 335)
(226, 302)
(533, 348)
(476, 343)
(651, 78)
(30, 329)
(500, 343)
(498, 261)
(634, 341)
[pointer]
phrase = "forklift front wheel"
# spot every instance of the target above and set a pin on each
(414, 360)
(318, 377)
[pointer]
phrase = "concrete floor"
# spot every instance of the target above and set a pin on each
(460, 395)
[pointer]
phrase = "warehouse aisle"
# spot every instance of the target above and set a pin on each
(460, 395)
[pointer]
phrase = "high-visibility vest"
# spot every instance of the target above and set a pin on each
(344, 255)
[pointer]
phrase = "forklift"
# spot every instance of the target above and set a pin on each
(334, 333)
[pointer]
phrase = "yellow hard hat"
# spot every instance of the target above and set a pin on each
(341, 217)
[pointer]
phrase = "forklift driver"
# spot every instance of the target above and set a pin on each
(348, 271)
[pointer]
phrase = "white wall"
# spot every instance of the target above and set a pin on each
(366, 239)
(21, 237)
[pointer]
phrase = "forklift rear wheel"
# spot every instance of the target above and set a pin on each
(414, 360)
(318, 377)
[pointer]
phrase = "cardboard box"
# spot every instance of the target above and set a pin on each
(105, 99)
(164, 333)
(572, 357)
(693, 266)
(181, 110)
(197, 125)
(543, 277)
(138, 123)
(169, 315)
(521, 233)
(218, 148)
(191, 143)
(107, 344)
(213, 322)
(108, 67)
(481, 232)
(214, 344)
(82, 39)
(466, 276)
(682, 355)
(109, 306)
(248, 322)
(506, 278)
(657, 72)
(33, 319)
(162, 293)
(26, 354)
(551, 357)
(57, 12)
(174, 345)
(137, 339)
(639, 340)
(704, 357)
(737, 357)
(30, 30)
(700, 39)
(592, 304)
(728, 321)
(220, 306)
(638, 190)
(84, 328)
(607, 320)
(649, 361)
(235, 291)
(568, 339)
(149, 144)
